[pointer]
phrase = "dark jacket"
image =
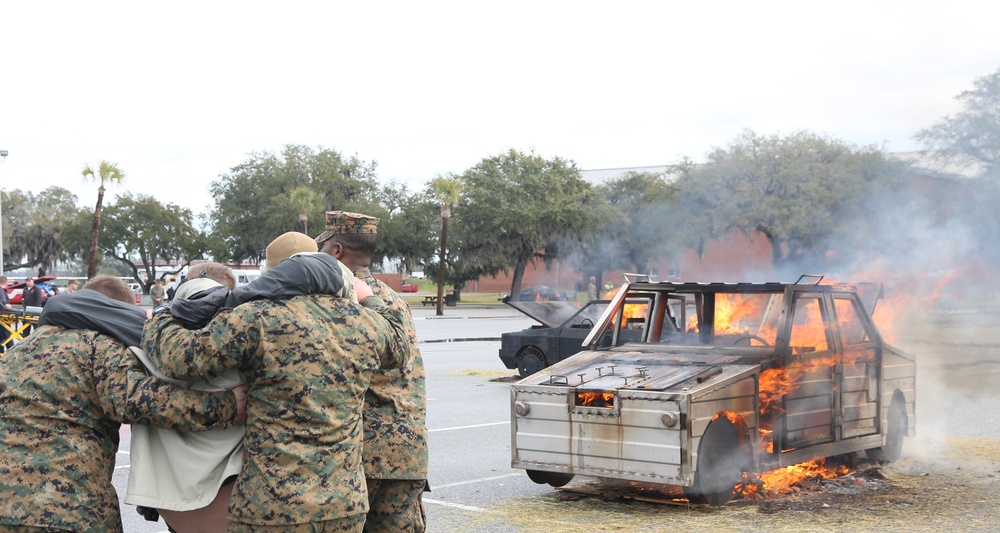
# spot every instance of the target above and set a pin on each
(33, 297)
(4, 299)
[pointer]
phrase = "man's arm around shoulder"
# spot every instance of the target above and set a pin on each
(396, 350)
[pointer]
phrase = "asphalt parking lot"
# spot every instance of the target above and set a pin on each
(475, 490)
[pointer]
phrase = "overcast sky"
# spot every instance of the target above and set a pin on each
(179, 92)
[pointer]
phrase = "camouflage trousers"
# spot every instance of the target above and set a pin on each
(349, 524)
(394, 506)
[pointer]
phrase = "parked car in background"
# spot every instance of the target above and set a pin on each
(244, 277)
(563, 328)
(137, 290)
(15, 288)
(409, 287)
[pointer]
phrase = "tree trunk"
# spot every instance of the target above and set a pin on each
(92, 259)
(515, 285)
(777, 256)
(444, 240)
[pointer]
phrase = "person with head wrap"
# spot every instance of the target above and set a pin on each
(395, 415)
(309, 352)
(187, 478)
(65, 391)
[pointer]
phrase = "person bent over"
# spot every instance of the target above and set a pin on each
(309, 358)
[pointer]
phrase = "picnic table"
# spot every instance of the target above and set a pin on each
(449, 299)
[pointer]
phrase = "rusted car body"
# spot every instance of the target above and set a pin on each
(701, 382)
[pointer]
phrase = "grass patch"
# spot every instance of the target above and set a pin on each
(477, 298)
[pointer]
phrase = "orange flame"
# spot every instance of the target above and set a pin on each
(739, 314)
(629, 311)
(595, 399)
(782, 480)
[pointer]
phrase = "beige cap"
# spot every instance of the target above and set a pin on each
(287, 245)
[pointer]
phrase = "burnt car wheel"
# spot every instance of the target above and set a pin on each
(893, 448)
(555, 479)
(721, 462)
(530, 360)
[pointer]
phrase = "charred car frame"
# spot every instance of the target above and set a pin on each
(697, 383)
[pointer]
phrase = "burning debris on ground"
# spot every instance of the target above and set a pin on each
(815, 481)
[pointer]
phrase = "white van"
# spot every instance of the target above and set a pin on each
(244, 277)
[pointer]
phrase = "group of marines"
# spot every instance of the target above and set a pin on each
(295, 403)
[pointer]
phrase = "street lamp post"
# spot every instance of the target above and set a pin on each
(3, 155)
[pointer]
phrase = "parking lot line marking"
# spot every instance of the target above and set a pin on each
(480, 480)
(455, 505)
(469, 427)
(467, 339)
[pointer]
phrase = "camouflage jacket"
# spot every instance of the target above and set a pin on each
(63, 395)
(309, 360)
(396, 405)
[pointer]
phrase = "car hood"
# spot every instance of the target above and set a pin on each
(551, 314)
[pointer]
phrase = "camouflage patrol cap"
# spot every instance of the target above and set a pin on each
(345, 223)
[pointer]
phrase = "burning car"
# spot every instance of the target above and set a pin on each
(560, 334)
(703, 384)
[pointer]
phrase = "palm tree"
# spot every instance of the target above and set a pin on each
(307, 201)
(446, 190)
(106, 173)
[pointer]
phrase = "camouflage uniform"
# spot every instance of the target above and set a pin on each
(395, 451)
(63, 395)
(309, 360)
(395, 445)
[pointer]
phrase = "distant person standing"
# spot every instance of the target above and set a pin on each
(33, 295)
(4, 308)
(4, 299)
(592, 289)
(72, 286)
(157, 293)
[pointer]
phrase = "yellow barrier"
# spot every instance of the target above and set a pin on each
(16, 324)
